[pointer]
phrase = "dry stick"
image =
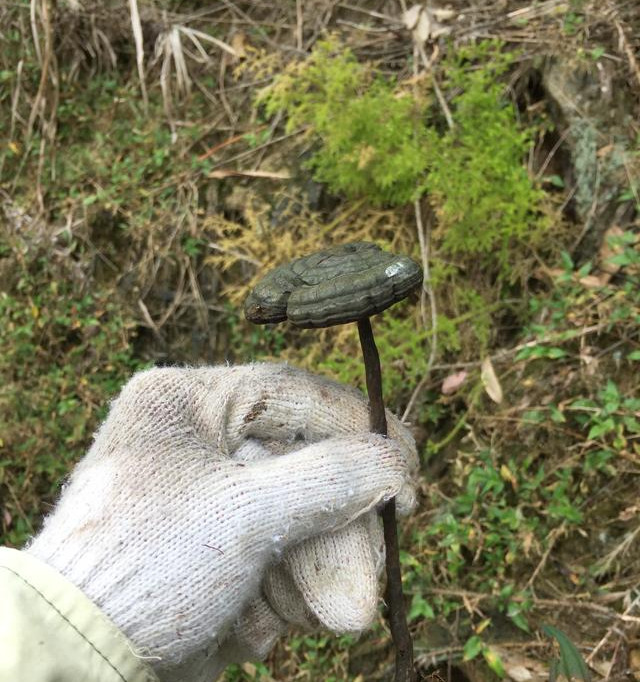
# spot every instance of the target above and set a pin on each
(136, 28)
(393, 595)
(610, 631)
(39, 101)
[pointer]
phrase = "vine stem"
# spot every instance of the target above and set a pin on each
(393, 594)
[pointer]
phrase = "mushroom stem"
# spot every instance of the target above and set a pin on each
(393, 595)
(377, 417)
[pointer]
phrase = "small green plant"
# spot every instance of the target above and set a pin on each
(64, 355)
(570, 662)
(573, 20)
(475, 646)
(249, 672)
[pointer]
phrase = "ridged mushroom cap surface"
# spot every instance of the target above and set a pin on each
(338, 285)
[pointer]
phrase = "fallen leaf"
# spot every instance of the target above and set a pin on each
(6, 517)
(410, 17)
(602, 667)
(367, 154)
(519, 673)
(238, 43)
(554, 273)
(593, 282)
(508, 475)
(629, 513)
(423, 24)
(453, 382)
(490, 381)
(521, 668)
(527, 543)
(605, 151)
(443, 13)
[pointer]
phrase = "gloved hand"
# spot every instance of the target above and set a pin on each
(204, 483)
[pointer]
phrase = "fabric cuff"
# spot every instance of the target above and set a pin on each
(50, 630)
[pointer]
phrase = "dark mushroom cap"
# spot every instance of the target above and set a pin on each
(338, 285)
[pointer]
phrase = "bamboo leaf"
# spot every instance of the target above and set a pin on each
(571, 664)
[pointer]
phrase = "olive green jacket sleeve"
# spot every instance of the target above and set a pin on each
(51, 632)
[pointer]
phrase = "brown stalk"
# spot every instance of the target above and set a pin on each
(393, 594)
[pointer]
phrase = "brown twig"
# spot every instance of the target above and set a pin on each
(610, 631)
(227, 142)
(553, 536)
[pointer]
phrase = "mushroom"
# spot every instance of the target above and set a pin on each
(349, 283)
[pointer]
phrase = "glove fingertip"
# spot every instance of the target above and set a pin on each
(336, 574)
(286, 600)
(257, 630)
(406, 500)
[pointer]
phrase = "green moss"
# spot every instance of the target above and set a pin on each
(486, 203)
(372, 142)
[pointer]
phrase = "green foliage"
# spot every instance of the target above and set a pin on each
(372, 141)
(252, 671)
(321, 657)
(505, 504)
(375, 142)
(494, 513)
(65, 353)
(251, 342)
(574, 19)
(581, 299)
(485, 201)
(117, 158)
(570, 662)
(475, 646)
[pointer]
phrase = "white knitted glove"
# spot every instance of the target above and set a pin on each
(199, 481)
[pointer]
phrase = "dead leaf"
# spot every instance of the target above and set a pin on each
(6, 517)
(425, 26)
(520, 667)
(238, 43)
(519, 673)
(453, 382)
(423, 22)
(367, 154)
(629, 513)
(490, 381)
(527, 543)
(593, 282)
(603, 668)
(230, 173)
(443, 13)
(605, 151)
(410, 17)
(554, 273)
(508, 476)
